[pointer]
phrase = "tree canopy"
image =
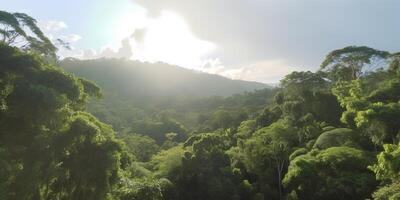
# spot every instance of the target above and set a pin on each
(332, 134)
(21, 30)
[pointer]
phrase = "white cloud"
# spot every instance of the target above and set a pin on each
(88, 54)
(74, 52)
(123, 50)
(55, 29)
(168, 38)
(52, 26)
(165, 38)
(213, 66)
(302, 32)
(266, 71)
(71, 37)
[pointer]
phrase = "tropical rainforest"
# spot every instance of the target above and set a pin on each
(113, 129)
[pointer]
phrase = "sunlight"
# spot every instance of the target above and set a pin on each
(128, 22)
(167, 38)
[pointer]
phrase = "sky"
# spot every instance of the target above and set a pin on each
(255, 40)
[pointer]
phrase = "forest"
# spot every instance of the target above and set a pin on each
(75, 129)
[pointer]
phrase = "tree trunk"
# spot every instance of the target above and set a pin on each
(279, 166)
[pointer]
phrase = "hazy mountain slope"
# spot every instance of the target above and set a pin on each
(154, 80)
(134, 91)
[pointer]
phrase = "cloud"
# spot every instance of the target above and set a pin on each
(165, 38)
(52, 26)
(266, 71)
(71, 37)
(88, 54)
(124, 50)
(245, 31)
(253, 40)
(139, 35)
(213, 66)
(168, 38)
(301, 32)
(55, 29)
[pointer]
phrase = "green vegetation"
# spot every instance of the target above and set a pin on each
(50, 147)
(334, 173)
(332, 134)
(143, 94)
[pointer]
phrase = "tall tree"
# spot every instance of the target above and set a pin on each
(394, 65)
(351, 62)
(50, 147)
(337, 173)
(372, 106)
(267, 155)
(21, 30)
(206, 172)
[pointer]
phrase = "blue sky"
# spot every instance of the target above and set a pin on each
(258, 40)
(92, 19)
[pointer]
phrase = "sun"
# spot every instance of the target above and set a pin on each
(167, 38)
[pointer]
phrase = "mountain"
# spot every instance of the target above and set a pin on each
(148, 80)
(136, 91)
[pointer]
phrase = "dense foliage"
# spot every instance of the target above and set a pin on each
(330, 134)
(50, 147)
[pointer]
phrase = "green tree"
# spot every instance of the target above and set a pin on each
(50, 148)
(372, 106)
(157, 129)
(141, 146)
(167, 162)
(206, 171)
(394, 65)
(351, 62)
(305, 95)
(139, 189)
(299, 82)
(341, 137)
(14, 28)
(266, 154)
(336, 173)
(222, 119)
(387, 170)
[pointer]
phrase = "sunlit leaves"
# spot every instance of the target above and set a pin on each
(388, 169)
(334, 173)
(388, 166)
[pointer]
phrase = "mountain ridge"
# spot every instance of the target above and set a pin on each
(149, 80)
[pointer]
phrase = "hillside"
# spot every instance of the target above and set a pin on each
(138, 79)
(135, 92)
